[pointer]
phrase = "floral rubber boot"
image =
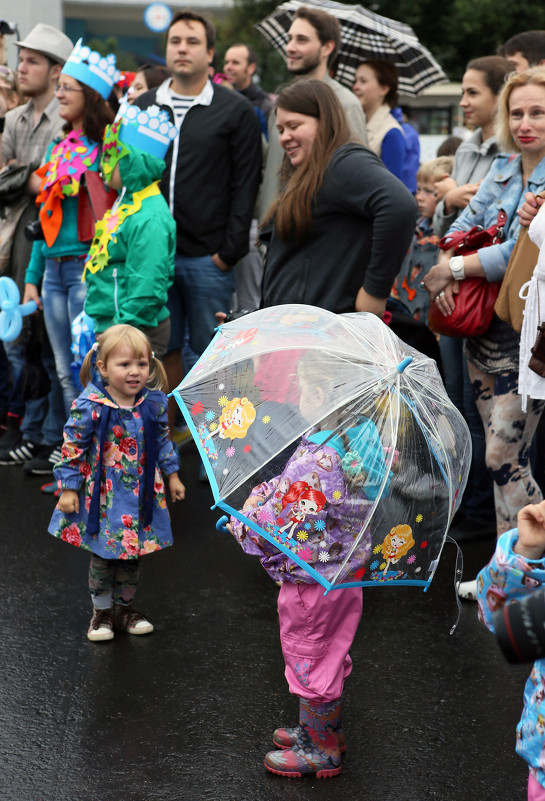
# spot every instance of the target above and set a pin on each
(285, 737)
(315, 751)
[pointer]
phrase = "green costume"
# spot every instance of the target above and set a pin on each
(131, 261)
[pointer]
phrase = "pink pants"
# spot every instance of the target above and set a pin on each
(316, 633)
(536, 792)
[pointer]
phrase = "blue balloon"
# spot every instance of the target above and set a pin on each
(12, 311)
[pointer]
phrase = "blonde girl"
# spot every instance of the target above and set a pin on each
(114, 456)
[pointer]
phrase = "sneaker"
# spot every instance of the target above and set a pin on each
(19, 454)
(44, 460)
(128, 619)
(101, 626)
(51, 488)
(468, 590)
(12, 435)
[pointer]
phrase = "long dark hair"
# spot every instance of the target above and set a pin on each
(96, 115)
(292, 210)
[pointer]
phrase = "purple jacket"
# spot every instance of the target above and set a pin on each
(322, 537)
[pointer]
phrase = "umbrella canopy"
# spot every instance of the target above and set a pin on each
(342, 436)
(364, 35)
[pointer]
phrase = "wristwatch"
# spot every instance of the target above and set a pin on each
(456, 265)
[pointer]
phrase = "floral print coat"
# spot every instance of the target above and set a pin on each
(121, 533)
(510, 576)
(322, 540)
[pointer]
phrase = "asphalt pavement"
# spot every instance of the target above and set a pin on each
(187, 713)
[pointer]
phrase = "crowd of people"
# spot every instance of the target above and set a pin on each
(218, 197)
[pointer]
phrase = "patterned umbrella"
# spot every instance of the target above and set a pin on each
(343, 437)
(364, 35)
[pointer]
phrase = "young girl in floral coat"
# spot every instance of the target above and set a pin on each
(117, 433)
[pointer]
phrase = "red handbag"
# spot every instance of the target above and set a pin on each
(475, 301)
(94, 200)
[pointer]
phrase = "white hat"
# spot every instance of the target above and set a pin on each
(48, 40)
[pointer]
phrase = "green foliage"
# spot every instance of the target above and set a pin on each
(238, 27)
(124, 61)
(460, 30)
(454, 32)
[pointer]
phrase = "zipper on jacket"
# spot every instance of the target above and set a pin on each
(115, 290)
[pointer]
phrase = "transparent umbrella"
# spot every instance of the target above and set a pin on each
(331, 443)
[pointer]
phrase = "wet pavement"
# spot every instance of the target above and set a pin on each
(187, 713)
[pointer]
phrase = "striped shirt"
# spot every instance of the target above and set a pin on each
(180, 106)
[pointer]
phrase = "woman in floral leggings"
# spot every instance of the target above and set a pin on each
(509, 435)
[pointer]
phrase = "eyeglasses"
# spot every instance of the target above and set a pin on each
(65, 90)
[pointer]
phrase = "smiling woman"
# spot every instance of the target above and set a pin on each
(83, 87)
(493, 358)
(329, 232)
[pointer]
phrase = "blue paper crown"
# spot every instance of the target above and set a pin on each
(149, 130)
(92, 69)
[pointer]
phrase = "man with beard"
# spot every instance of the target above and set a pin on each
(313, 44)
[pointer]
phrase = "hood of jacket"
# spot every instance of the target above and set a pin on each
(139, 169)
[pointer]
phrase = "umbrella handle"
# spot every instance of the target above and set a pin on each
(221, 525)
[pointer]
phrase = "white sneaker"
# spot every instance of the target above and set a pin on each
(468, 590)
(101, 626)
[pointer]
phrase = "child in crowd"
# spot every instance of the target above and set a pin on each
(517, 568)
(422, 254)
(113, 501)
(333, 476)
(130, 265)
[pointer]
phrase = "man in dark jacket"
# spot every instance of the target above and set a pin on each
(210, 183)
(240, 65)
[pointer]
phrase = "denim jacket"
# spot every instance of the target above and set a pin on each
(500, 189)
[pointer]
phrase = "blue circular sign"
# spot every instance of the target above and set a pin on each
(157, 17)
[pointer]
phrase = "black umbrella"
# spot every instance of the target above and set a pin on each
(364, 35)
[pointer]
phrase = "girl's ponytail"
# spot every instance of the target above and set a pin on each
(157, 375)
(87, 367)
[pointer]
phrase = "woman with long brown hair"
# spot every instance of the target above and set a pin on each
(337, 233)
(84, 85)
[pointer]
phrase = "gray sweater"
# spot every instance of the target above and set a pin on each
(472, 161)
(363, 222)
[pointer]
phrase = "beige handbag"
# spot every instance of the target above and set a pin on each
(509, 306)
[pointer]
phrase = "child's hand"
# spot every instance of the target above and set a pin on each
(177, 489)
(443, 186)
(531, 527)
(68, 502)
(253, 501)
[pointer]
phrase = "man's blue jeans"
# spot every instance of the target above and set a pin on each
(200, 289)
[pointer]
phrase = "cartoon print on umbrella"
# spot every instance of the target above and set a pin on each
(352, 413)
(306, 501)
(397, 543)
